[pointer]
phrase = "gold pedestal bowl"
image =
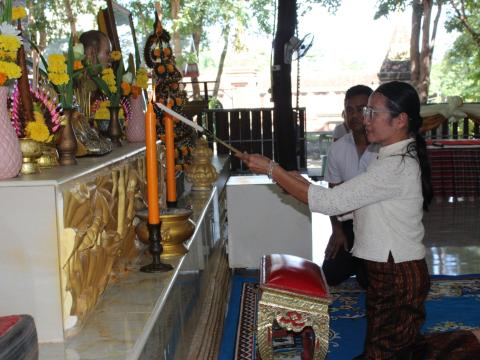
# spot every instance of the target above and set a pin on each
(31, 151)
(49, 157)
(175, 228)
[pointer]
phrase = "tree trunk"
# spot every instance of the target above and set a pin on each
(226, 34)
(70, 17)
(177, 47)
(195, 85)
(42, 43)
(425, 53)
(284, 122)
(415, 42)
(421, 59)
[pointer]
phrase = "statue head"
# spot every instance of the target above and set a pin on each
(97, 47)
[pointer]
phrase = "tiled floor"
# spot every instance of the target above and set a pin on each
(452, 237)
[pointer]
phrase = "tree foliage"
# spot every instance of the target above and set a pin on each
(465, 18)
(192, 20)
(459, 72)
(54, 19)
(422, 39)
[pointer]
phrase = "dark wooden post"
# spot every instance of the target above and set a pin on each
(285, 135)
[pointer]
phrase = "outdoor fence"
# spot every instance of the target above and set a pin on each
(251, 130)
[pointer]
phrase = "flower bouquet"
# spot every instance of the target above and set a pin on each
(110, 80)
(133, 83)
(62, 70)
(135, 130)
(113, 82)
(10, 42)
(46, 117)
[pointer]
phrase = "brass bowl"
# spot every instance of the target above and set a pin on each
(31, 150)
(49, 157)
(175, 228)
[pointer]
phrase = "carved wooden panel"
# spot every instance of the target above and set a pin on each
(98, 242)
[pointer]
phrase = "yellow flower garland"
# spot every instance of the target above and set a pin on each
(57, 69)
(109, 77)
(18, 12)
(115, 55)
(9, 43)
(142, 78)
(11, 70)
(103, 113)
(38, 131)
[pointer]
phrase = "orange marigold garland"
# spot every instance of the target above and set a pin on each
(168, 90)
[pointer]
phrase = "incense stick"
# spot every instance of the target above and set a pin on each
(196, 126)
(180, 117)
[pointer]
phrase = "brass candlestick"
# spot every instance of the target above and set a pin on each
(176, 227)
(155, 249)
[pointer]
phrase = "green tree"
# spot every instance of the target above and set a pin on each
(190, 19)
(465, 18)
(459, 72)
(422, 39)
(53, 19)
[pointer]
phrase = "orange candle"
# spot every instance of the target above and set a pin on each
(152, 165)
(170, 154)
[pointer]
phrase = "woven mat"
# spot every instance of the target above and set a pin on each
(453, 304)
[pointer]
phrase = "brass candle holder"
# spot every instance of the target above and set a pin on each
(175, 228)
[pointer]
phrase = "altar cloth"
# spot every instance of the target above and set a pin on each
(455, 170)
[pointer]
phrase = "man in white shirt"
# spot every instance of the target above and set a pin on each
(347, 157)
(340, 129)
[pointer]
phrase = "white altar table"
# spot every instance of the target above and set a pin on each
(134, 315)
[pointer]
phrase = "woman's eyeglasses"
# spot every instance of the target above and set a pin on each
(369, 112)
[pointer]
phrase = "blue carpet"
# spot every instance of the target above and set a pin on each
(227, 346)
(453, 303)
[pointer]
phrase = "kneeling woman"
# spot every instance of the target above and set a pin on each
(388, 201)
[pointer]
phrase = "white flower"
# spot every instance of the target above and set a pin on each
(7, 29)
(127, 77)
(78, 51)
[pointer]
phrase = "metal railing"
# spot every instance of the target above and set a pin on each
(251, 130)
(464, 129)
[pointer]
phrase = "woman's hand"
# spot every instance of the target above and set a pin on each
(257, 163)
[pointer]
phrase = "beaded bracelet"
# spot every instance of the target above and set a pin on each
(271, 165)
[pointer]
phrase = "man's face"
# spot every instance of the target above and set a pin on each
(354, 112)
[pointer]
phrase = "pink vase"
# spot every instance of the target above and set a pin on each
(136, 125)
(10, 154)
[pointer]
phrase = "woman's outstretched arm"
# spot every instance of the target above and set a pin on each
(291, 182)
